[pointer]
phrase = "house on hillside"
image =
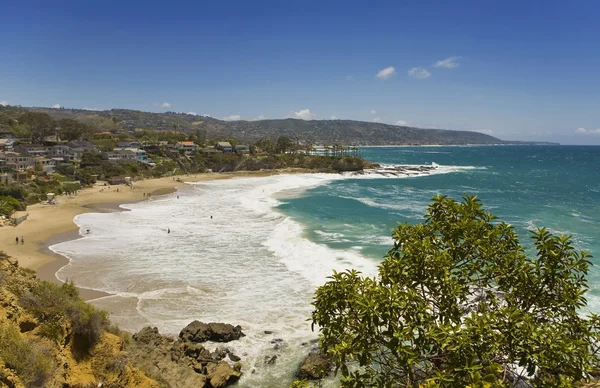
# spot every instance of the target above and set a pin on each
(126, 154)
(32, 149)
(61, 151)
(129, 144)
(242, 148)
(209, 151)
(224, 146)
(7, 144)
(189, 147)
(18, 162)
(48, 165)
(85, 145)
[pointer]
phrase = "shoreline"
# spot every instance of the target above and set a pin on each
(48, 225)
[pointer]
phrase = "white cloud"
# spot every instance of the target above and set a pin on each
(56, 106)
(3, 103)
(334, 117)
(373, 111)
(205, 115)
(94, 109)
(162, 105)
(419, 72)
(232, 118)
(486, 131)
(303, 114)
(448, 63)
(386, 73)
(192, 113)
(377, 119)
(401, 123)
(588, 131)
(261, 117)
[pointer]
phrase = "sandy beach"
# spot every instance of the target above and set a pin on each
(47, 224)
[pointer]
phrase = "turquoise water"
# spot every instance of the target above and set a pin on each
(527, 186)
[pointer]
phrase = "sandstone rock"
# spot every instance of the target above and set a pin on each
(218, 332)
(315, 366)
(149, 336)
(221, 374)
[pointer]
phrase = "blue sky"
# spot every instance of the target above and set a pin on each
(522, 70)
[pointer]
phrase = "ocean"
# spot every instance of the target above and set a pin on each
(272, 240)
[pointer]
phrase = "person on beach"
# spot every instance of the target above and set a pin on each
(22, 240)
(17, 240)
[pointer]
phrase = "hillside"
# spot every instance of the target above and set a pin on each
(344, 132)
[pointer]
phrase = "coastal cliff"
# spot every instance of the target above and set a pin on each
(49, 337)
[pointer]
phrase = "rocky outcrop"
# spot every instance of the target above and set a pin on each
(222, 374)
(315, 366)
(218, 332)
(184, 363)
(36, 351)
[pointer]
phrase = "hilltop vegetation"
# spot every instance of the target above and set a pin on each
(345, 132)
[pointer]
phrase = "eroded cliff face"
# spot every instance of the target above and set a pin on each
(49, 337)
(39, 346)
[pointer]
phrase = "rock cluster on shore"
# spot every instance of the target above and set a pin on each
(317, 365)
(397, 171)
(187, 363)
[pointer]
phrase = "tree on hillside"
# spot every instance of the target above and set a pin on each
(284, 144)
(71, 129)
(40, 125)
(457, 302)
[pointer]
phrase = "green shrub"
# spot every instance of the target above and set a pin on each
(88, 324)
(9, 205)
(28, 359)
(52, 303)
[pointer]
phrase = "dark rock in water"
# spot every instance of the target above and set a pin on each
(149, 336)
(233, 357)
(277, 343)
(268, 332)
(220, 353)
(221, 374)
(315, 366)
(217, 332)
(270, 360)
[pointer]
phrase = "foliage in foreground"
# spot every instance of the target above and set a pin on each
(30, 360)
(52, 304)
(457, 303)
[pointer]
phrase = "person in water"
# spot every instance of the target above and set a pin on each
(168, 230)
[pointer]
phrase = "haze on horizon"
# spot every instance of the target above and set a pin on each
(515, 70)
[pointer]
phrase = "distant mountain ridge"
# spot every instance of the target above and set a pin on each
(343, 132)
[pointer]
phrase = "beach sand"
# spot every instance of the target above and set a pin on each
(47, 225)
